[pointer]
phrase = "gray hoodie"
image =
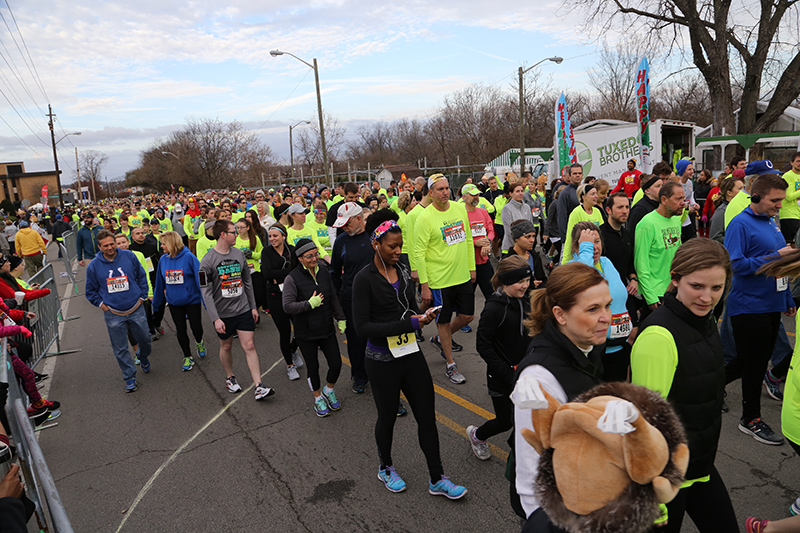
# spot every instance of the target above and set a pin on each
(512, 212)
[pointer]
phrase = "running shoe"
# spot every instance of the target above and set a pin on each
(52, 415)
(401, 409)
(160, 331)
(233, 387)
(391, 479)
(359, 388)
(445, 487)
(130, 385)
(263, 392)
(437, 344)
(40, 377)
(297, 360)
(456, 347)
(154, 336)
(773, 386)
(755, 525)
(292, 372)
(479, 447)
(145, 364)
(725, 407)
(466, 329)
(759, 430)
(420, 336)
(321, 407)
(201, 349)
(330, 399)
(795, 508)
(454, 375)
(188, 363)
(136, 358)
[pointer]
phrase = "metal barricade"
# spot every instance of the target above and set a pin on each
(40, 486)
(71, 245)
(48, 314)
(69, 254)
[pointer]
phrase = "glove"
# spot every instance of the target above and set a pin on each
(617, 417)
(248, 253)
(315, 301)
(704, 219)
(342, 325)
(25, 331)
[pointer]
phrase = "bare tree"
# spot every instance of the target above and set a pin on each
(713, 36)
(613, 79)
(91, 163)
(309, 147)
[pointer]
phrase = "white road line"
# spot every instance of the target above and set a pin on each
(182, 447)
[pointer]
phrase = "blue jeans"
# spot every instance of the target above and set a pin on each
(782, 347)
(118, 327)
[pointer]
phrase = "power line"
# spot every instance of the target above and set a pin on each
(20, 138)
(23, 120)
(36, 71)
(13, 67)
(284, 100)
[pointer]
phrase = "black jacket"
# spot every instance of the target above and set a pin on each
(378, 310)
(538, 269)
(299, 286)
(502, 339)
(642, 207)
(60, 228)
(275, 267)
(618, 247)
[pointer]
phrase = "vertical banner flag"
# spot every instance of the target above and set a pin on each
(44, 194)
(643, 115)
(565, 141)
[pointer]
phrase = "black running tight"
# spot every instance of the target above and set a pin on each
(180, 313)
(284, 324)
(330, 349)
(410, 375)
(503, 418)
(707, 504)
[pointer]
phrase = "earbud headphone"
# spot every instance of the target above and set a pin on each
(755, 198)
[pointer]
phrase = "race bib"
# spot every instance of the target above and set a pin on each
(454, 234)
(252, 267)
(403, 344)
(149, 263)
(174, 277)
(620, 327)
(536, 212)
(782, 283)
(232, 288)
(117, 284)
(478, 229)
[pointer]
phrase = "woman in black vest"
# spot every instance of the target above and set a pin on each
(387, 315)
(277, 260)
(568, 322)
(309, 296)
(678, 354)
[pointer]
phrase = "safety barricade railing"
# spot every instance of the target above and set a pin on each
(69, 254)
(40, 487)
(48, 315)
(71, 244)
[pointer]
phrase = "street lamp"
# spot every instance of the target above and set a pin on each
(557, 60)
(55, 154)
(291, 145)
(276, 53)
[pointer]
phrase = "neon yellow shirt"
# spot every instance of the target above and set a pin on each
(790, 412)
(294, 235)
(443, 247)
(408, 233)
(791, 204)
(255, 261)
(321, 231)
(736, 206)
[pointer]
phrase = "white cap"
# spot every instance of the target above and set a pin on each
(346, 211)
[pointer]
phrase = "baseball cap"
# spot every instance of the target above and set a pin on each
(470, 188)
(346, 211)
(280, 210)
(739, 173)
(434, 178)
(24, 224)
(763, 166)
(297, 208)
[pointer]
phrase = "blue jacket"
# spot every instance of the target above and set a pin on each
(753, 240)
(183, 268)
(87, 242)
(100, 270)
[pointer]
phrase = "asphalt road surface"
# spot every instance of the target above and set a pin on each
(183, 454)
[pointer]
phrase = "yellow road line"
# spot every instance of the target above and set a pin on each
(461, 430)
(480, 411)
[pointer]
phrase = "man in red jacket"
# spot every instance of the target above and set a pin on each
(629, 180)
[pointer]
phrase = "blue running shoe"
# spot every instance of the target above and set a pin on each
(321, 407)
(391, 479)
(331, 401)
(145, 364)
(466, 329)
(445, 487)
(130, 385)
(188, 363)
(201, 349)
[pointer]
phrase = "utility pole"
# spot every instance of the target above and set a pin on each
(78, 172)
(55, 155)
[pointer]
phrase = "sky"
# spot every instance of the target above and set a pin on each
(125, 74)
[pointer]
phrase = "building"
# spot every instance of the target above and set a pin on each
(18, 185)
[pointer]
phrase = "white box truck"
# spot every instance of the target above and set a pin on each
(605, 146)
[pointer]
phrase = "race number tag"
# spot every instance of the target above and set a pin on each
(174, 277)
(149, 263)
(536, 212)
(454, 234)
(403, 344)
(252, 267)
(782, 283)
(620, 327)
(118, 284)
(478, 229)
(232, 288)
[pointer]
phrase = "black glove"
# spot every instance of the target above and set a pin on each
(248, 253)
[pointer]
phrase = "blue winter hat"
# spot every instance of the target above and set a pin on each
(680, 166)
(24, 224)
(760, 167)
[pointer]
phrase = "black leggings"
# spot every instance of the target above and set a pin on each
(706, 503)
(410, 375)
(179, 315)
(503, 418)
(755, 336)
(259, 289)
(330, 349)
(284, 324)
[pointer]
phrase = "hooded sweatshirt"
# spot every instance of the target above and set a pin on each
(119, 283)
(179, 277)
(512, 212)
(502, 339)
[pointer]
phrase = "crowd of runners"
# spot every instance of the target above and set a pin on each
(673, 280)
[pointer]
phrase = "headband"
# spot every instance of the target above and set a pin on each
(380, 231)
(279, 229)
(513, 276)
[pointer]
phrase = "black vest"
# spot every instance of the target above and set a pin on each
(575, 372)
(316, 323)
(699, 382)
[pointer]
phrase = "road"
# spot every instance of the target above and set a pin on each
(183, 454)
